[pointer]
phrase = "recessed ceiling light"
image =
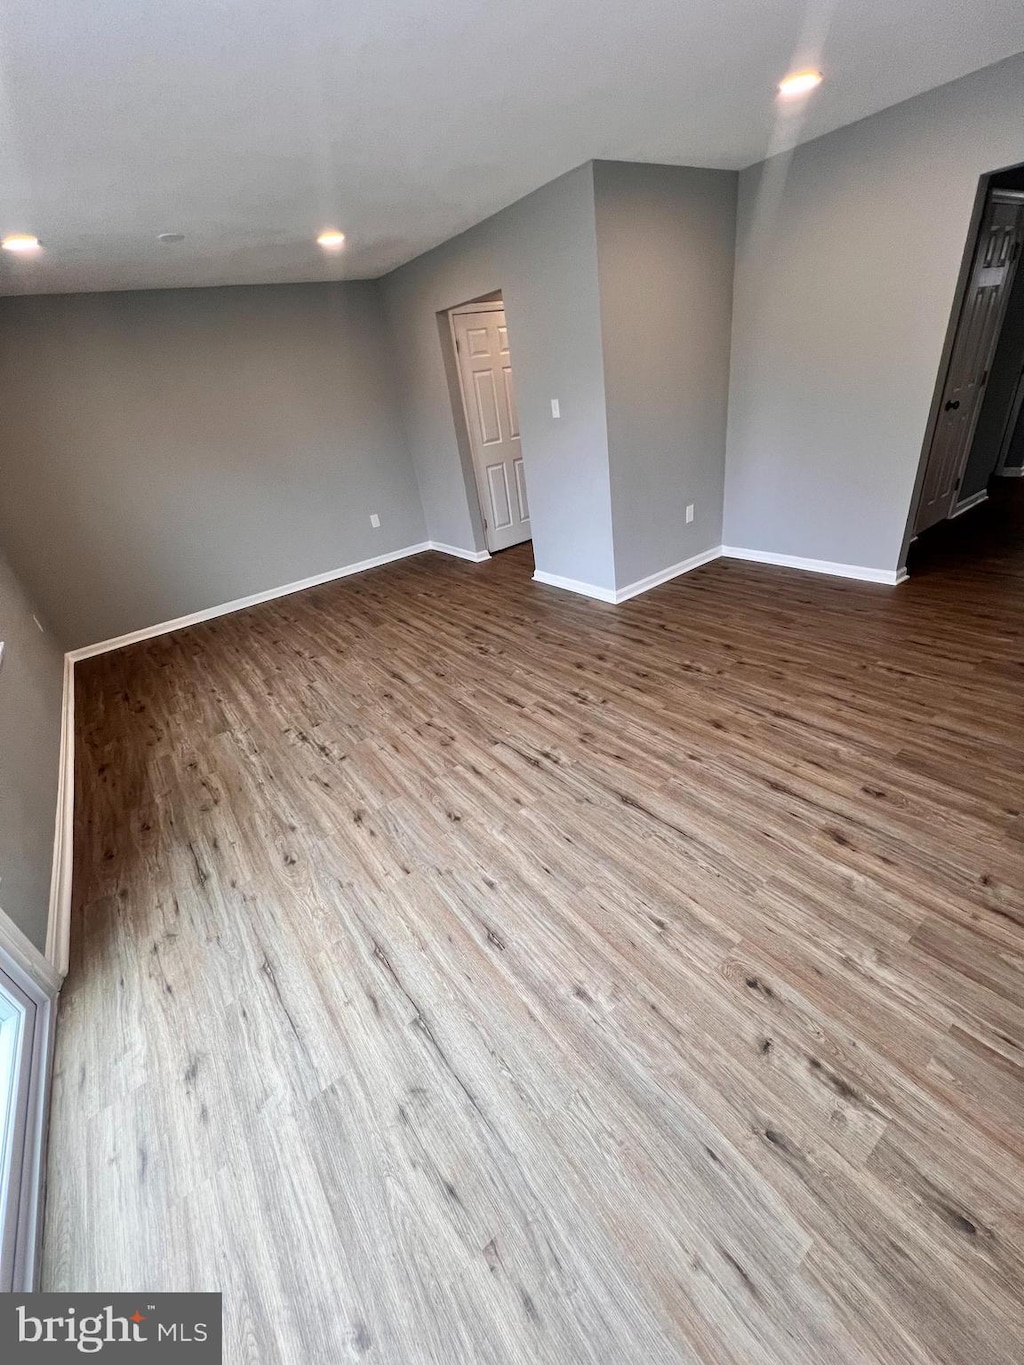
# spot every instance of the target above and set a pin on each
(20, 241)
(330, 239)
(800, 83)
(169, 237)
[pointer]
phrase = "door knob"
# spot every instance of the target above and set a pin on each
(953, 403)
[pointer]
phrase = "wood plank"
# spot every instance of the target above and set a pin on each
(467, 972)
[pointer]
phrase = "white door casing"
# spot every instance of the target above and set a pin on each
(977, 335)
(488, 395)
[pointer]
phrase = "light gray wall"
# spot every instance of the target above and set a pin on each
(848, 257)
(167, 451)
(665, 251)
(31, 683)
(542, 254)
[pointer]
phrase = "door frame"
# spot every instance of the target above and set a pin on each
(963, 505)
(33, 989)
(986, 196)
(488, 305)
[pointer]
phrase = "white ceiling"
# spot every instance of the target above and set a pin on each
(250, 124)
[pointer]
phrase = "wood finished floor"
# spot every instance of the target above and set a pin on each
(465, 973)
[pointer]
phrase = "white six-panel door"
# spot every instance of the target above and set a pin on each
(488, 390)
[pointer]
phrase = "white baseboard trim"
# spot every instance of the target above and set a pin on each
(240, 603)
(476, 556)
(1011, 471)
(822, 566)
(825, 566)
(973, 501)
(663, 575)
(554, 580)
(58, 924)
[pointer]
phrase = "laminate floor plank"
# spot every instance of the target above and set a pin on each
(466, 973)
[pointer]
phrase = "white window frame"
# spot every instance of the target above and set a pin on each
(28, 996)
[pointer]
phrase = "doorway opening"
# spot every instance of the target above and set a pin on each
(974, 437)
(483, 360)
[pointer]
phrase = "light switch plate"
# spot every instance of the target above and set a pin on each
(374, 519)
(689, 511)
(554, 408)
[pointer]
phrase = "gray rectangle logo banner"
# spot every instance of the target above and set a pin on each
(52, 1329)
